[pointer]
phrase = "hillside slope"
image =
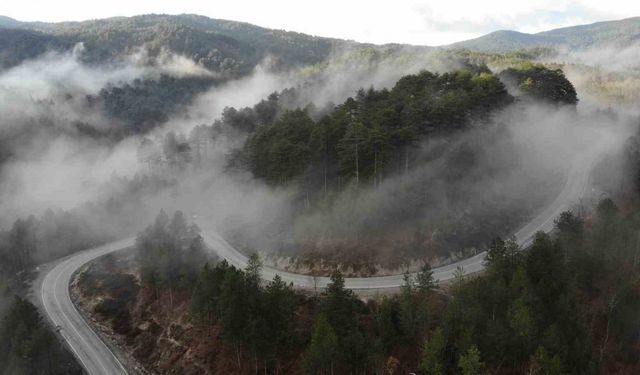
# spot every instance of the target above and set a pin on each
(617, 33)
(219, 45)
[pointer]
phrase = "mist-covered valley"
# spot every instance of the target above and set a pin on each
(320, 157)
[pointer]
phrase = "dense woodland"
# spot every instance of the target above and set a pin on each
(566, 305)
(540, 83)
(32, 241)
(361, 141)
(144, 104)
(27, 346)
(373, 133)
(379, 146)
(228, 47)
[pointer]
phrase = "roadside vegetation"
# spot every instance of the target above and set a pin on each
(387, 178)
(566, 305)
(28, 346)
(391, 178)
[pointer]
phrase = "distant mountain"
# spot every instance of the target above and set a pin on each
(9, 22)
(617, 33)
(220, 45)
(235, 48)
(17, 45)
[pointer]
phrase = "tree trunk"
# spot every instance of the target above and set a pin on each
(325, 176)
(406, 159)
(375, 168)
(357, 167)
(635, 257)
(606, 339)
(171, 298)
(612, 306)
(238, 356)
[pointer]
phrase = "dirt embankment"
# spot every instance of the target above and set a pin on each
(154, 327)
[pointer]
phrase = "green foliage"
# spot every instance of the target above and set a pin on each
(530, 312)
(539, 82)
(17, 45)
(339, 305)
(28, 347)
(388, 324)
(323, 349)
(253, 318)
(581, 37)
(546, 363)
(412, 308)
(280, 152)
(531, 309)
(55, 234)
(228, 47)
(144, 104)
(425, 281)
(469, 362)
(432, 361)
(279, 315)
(169, 251)
(373, 134)
(570, 226)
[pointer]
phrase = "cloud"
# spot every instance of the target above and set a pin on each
(485, 17)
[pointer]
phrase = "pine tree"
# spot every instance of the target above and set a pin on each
(425, 281)
(470, 363)
(322, 352)
(432, 354)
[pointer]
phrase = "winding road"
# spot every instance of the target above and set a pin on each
(97, 358)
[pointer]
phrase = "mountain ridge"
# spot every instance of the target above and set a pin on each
(617, 32)
(235, 48)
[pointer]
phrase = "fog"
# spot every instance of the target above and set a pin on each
(445, 208)
(520, 148)
(41, 102)
(604, 76)
(626, 57)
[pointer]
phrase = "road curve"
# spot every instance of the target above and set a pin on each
(573, 189)
(97, 358)
(89, 349)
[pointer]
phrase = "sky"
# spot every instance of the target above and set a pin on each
(374, 21)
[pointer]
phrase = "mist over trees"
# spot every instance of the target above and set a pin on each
(537, 82)
(145, 104)
(563, 306)
(370, 159)
(418, 170)
(374, 132)
(169, 250)
(228, 47)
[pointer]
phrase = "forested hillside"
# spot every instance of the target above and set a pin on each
(323, 157)
(371, 135)
(18, 45)
(27, 346)
(539, 83)
(564, 306)
(228, 47)
(371, 158)
(619, 33)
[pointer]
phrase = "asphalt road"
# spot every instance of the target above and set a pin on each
(97, 358)
(88, 348)
(572, 191)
